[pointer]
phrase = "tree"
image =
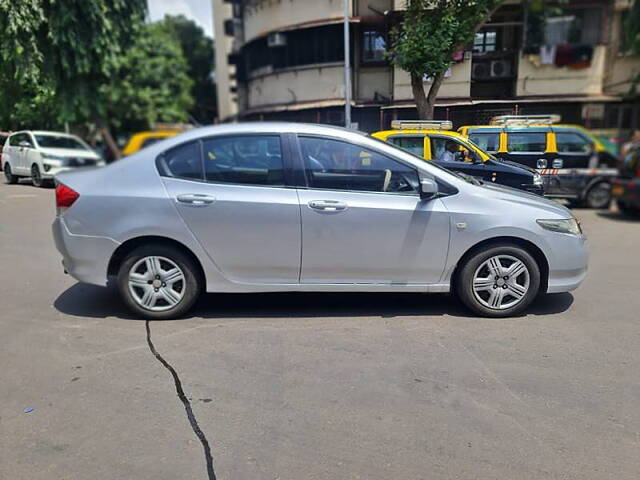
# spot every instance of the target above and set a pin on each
(198, 50)
(150, 82)
(67, 47)
(428, 35)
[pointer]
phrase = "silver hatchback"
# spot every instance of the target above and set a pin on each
(291, 207)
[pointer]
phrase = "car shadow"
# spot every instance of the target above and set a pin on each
(618, 217)
(85, 300)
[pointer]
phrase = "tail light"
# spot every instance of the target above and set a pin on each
(65, 197)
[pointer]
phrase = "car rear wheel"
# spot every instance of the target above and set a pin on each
(498, 281)
(8, 175)
(159, 282)
(598, 196)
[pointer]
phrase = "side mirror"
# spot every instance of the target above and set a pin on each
(428, 188)
(25, 144)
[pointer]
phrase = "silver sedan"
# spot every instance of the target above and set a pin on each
(291, 207)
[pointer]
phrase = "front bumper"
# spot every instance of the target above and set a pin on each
(86, 258)
(568, 261)
(572, 182)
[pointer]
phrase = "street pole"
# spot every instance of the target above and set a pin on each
(347, 68)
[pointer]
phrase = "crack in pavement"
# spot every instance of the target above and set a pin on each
(187, 405)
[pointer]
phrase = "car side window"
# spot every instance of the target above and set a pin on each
(571, 142)
(445, 149)
(246, 159)
(14, 140)
(183, 161)
(413, 145)
(489, 142)
(529, 142)
(336, 165)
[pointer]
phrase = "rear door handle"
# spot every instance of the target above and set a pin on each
(327, 205)
(196, 199)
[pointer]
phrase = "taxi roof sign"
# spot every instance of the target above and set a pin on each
(525, 119)
(421, 125)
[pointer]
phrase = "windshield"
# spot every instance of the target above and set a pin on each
(59, 141)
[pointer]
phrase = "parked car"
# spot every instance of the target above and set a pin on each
(3, 139)
(272, 207)
(432, 141)
(41, 155)
(574, 164)
(626, 188)
(140, 140)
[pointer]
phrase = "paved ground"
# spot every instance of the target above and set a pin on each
(294, 386)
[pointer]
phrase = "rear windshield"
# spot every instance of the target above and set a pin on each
(59, 141)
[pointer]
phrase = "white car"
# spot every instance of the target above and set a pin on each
(42, 155)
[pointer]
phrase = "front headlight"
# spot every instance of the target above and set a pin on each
(537, 179)
(565, 225)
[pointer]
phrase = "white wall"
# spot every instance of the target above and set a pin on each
(295, 86)
(458, 85)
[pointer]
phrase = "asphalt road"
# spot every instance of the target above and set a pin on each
(314, 386)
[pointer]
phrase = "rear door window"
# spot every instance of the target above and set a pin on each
(183, 161)
(246, 159)
(572, 142)
(526, 142)
(489, 142)
(413, 145)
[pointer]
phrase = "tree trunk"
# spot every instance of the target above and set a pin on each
(425, 104)
(111, 143)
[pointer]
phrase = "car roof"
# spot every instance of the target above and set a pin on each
(46, 132)
(449, 133)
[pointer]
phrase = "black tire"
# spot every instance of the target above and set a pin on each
(598, 195)
(465, 276)
(10, 178)
(628, 210)
(192, 284)
(36, 176)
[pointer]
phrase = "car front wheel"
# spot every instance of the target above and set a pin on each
(159, 282)
(498, 281)
(8, 175)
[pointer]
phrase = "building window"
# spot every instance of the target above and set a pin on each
(373, 47)
(303, 47)
(485, 41)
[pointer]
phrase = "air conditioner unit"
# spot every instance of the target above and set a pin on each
(276, 40)
(480, 71)
(500, 68)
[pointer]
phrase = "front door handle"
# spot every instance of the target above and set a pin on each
(196, 199)
(328, 205)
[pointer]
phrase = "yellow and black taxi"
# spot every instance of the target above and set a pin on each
(434, 141)
(574, 164)
(626, 188)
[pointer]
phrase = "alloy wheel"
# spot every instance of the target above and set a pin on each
(501, 282)
(156, 283)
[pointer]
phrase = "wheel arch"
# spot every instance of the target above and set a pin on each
(128, 246)
(530, 247)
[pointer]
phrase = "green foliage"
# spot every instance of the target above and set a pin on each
(431, 31)
(632, 28)
(198, 50)
(61, 51)
(150, 82)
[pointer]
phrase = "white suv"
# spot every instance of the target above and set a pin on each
(41, 155)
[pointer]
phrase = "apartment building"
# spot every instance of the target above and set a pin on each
(284, 60)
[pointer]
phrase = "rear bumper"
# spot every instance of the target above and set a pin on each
(626, 191)
(85, 258)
